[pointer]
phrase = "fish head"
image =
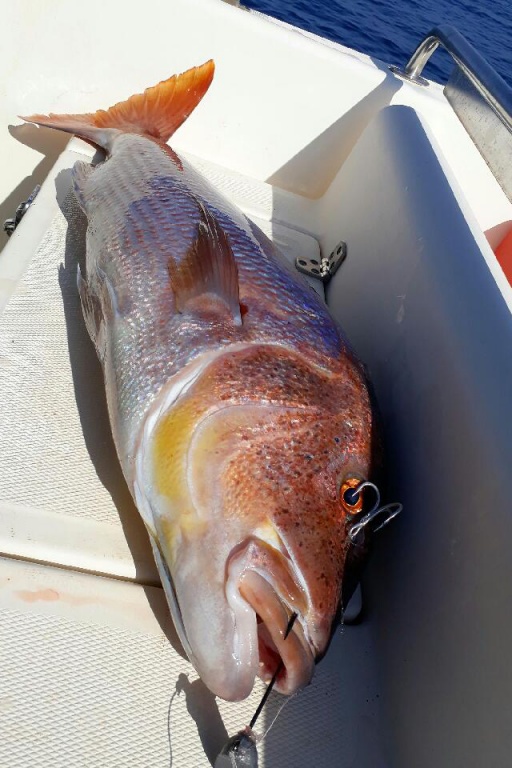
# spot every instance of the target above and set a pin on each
(245, 474)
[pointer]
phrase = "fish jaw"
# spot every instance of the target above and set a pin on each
(233, 621)
(220, 635)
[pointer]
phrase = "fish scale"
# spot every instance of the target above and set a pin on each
(237, 407)
(154, 202)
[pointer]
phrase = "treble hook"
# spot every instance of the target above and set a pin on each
(389, 511)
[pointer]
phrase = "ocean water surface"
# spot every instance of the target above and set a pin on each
(390, 31)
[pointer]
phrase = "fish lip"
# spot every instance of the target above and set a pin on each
(249, 576)
(285, 654)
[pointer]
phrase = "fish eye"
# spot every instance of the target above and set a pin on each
(351, 496)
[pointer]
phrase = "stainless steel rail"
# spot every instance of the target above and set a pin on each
(478, 71)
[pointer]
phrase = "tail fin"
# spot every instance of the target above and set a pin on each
(157, 112)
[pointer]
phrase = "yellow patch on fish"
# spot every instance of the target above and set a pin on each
(267, 533)
(170, 472)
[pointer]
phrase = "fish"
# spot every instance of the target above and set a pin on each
(241, 416)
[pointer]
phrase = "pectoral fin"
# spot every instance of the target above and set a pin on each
(209, 267)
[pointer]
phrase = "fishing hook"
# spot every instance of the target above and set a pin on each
(386, 511)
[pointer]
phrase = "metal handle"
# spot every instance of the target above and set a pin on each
(479, 72)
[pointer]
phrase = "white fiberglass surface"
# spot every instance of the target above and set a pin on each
(283, 108)
(92, 676)
(268, 101)
(433, 326)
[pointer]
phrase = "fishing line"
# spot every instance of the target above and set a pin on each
(279, 669)
(283, 705)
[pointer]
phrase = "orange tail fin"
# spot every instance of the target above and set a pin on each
(157, 112)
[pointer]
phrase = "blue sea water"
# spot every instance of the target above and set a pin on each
(390, 31)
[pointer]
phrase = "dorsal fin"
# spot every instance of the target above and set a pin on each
(208, 267)
(157, 112)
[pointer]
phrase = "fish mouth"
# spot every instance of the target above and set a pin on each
(271, 595)
(288, 655)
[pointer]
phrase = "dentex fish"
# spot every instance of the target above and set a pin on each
(239, 412)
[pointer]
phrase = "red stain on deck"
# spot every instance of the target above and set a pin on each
(45, 595)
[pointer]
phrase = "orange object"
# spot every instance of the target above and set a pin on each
(504, 255)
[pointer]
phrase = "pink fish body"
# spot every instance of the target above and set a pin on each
(238, 411)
